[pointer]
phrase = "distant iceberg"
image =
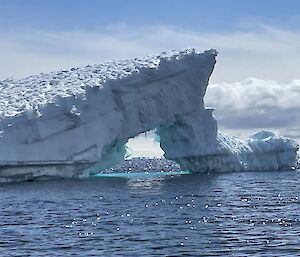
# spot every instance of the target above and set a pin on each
(73, 123)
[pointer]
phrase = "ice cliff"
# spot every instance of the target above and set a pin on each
(73, 123)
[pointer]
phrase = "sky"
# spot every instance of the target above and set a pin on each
(256, 77)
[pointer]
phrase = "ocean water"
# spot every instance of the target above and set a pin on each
(230, 214)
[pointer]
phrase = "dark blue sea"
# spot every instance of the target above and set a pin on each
(230, 214)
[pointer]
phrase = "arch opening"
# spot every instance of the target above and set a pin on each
(144, 156)
(144, 145)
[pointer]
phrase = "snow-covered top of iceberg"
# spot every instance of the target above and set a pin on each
(31, 92)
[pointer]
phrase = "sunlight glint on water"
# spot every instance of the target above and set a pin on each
(196, 215)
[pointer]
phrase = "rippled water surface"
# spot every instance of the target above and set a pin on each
(232, 214)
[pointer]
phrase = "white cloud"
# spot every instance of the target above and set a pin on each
(264, 52)
(252, 104)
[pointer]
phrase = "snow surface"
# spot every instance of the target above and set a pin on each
(33, 92)
(75, 122)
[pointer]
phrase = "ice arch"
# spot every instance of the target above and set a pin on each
(74, 122)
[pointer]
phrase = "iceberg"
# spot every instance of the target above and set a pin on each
(73, 123)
